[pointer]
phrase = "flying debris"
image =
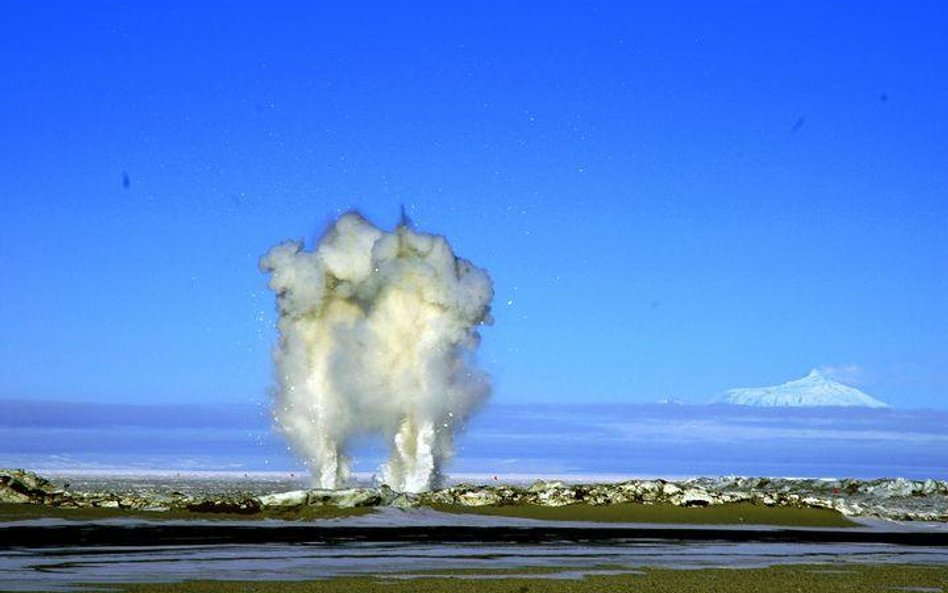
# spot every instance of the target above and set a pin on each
(798, 125)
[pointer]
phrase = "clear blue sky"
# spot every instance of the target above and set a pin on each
(673, 199)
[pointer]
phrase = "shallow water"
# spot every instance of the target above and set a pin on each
(60, 568)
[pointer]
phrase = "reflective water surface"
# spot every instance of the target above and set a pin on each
(61, 568)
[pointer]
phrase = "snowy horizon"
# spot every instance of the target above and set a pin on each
(553, 440)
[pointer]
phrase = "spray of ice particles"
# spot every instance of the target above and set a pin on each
(377, 335)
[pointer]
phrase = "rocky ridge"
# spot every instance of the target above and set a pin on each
(893, 499)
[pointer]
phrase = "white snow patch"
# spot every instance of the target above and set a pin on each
(813, 390)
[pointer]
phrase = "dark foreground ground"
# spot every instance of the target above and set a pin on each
(777, 579)
(439, 529)
(424, 550)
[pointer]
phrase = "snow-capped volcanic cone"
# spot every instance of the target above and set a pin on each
(813, 390)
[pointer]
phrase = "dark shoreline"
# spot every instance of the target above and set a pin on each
(34, 535)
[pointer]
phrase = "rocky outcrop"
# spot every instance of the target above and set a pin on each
(21, 486)
(895, 499)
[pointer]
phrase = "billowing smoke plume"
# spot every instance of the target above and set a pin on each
(377, 331)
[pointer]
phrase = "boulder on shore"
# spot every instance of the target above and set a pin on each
(21, 486)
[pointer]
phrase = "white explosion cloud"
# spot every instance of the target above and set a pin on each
(377, 332)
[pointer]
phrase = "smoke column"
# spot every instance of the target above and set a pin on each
(377, 332)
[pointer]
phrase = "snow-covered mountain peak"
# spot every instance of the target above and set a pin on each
(815, 389)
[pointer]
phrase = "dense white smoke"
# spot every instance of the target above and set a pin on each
(377, 330)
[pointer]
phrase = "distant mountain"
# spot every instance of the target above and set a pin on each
(813, 390)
